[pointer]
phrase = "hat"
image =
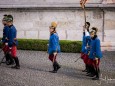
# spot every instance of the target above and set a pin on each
(9, 18)
(54, 24)
(94, 29)
(5, 18)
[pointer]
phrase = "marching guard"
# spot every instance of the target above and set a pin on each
(12, 41)
(54, 47)
(4, 40)
(95, 54)
(85, 45)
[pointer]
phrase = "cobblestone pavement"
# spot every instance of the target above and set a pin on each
(35, 66)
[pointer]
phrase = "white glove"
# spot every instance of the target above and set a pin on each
(6, 44)
(55, 53)
(10, 48)
(47, 44)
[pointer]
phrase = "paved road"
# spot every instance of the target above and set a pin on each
(35, 66)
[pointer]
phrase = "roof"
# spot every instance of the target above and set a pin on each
(49, 4)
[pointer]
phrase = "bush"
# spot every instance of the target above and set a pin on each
(41, 45)
(70, 46)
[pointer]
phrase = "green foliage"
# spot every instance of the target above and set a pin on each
(70, 46)
(41, 45)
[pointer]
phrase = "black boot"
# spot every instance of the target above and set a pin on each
(17, 66)
(58, 66)
(55, 68)
(9, 59)
(97, 74)
(91, 72)
(87, 68)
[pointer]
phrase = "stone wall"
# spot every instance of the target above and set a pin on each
(33, 23)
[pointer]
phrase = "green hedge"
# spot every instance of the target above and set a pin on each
(41, 45)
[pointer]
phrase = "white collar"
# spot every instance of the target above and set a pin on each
(86, 33)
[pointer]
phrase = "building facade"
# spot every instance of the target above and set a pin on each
(33, 17)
